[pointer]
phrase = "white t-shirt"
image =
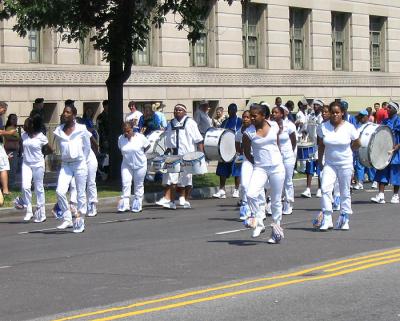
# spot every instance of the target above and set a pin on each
(33, 155)
(265, 149)
(188, 137)
(301, 118)
(75, 147)
(133, 150)
(284, 137)
(337, 143)
(135, 116)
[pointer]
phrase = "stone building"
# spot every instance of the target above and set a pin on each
(292, 48)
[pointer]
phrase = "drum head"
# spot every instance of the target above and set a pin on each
(172, 159)
(379, 146)
(193, 156)
(227, 148)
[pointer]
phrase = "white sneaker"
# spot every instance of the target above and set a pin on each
(162, 201)
(181, 201)
(40, 215)
(79, 225)
(358, 186)
(260, 228)
(379, 199)
(343, 222)
(170, 205)
(220, 194)
(319, 193)
(395, 199)
(64, 225)
(29, 213)
(123, 205)
(306, 193)
(92, 210)
(287, 208)
(374, 185)
(276, 234)
(326, 223)
(136, 206)
(187, 205)
(235, 193)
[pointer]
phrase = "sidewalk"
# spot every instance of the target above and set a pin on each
(149, 198)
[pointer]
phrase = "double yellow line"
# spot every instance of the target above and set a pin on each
(321, 272)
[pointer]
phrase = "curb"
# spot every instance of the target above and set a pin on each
(148, 199)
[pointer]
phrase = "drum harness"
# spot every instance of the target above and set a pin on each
(177, 129)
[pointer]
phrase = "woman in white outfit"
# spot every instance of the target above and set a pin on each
(34, 143)
(74, 143)
(337, 138)
(133, 147)
(287, 144)
(261, 148)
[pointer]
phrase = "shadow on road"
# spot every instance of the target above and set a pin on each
(238, 242)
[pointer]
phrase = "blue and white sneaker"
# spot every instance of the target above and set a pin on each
(336, 203)
(317, 221)
(343, 222)
(276, 234)
(326, 223)
(136, 206)
(19, 203)
(79, 225)
(57, 212)
(244, 211)
(92, 210)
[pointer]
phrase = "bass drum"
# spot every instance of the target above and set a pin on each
(376, 142)
(157, 142)
(219, 144)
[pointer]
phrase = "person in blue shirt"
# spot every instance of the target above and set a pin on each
(347, 117)
(390, 174)
(225, 170)
(149, 121)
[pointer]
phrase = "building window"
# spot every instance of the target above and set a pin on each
(251, 16)
(377, 39)
(340, 41)
(298, 38)
(199, 51)
(142, 57)
(34, 46)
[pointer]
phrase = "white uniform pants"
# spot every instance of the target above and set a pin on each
(37, 173)
(276, 176)
(245, 177)
(328, 177)
(77, 170)
(138, 175)
(289, 162)
(91, 187)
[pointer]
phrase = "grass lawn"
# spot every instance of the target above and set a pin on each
(207, 180)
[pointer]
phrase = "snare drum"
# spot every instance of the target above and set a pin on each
(219, 144)
(194, 163)
(150, 158)
(173, 164)
(305, 151)
(158, 163)
(157, 142)
(376, 142)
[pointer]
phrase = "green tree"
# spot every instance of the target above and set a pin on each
(120, 28)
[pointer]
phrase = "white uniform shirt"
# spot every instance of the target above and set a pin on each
(337, 143)
(33, 155)
(134, 117)
(265, 149)
(76, 146)
(188, 136)
(203, 121)
(301, 118)
(284, 137)
(133, 150)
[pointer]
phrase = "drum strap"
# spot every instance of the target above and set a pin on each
(177, 128)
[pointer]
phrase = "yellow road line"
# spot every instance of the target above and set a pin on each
(246, 291)
(228, 286)
(362, 262)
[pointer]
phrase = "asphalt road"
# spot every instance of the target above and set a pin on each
(202, 264)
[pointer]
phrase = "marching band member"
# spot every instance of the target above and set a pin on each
(224, 170)
(287, 144)
(133, 148)
(359, 168)
(34, 144)
(390, 174)
(261, 148)
(313, 120)
(74, 143)
(337, 138)
(182, 136)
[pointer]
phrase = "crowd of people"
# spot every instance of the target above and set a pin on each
(268, 140)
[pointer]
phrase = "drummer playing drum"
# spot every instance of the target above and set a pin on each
(390, 174)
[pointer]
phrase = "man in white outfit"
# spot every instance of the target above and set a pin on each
(182, 136)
